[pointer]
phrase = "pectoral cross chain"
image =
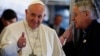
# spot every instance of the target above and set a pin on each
(32, 54)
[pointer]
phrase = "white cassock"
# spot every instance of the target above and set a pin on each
(42, 41)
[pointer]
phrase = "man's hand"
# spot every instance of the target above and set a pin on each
(22, 41)
(67, 36)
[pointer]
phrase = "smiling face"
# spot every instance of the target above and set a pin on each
(35, 15)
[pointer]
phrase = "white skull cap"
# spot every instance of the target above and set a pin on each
(36, 1)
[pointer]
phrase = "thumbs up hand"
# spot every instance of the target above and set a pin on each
(22, 41)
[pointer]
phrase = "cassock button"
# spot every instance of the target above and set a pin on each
(84, 41)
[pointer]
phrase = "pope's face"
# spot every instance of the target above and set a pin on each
(35, 15)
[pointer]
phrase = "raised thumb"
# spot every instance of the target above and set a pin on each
(22, 34)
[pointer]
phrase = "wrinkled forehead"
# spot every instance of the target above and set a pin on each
(36, 5)
(75, 9)
(36, 8)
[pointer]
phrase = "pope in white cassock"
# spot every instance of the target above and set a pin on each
(29, 37)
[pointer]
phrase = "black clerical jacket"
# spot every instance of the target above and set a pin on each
(89, 42)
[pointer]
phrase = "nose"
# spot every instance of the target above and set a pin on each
(36, 19)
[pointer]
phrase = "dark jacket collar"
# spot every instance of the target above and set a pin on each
(91, 26)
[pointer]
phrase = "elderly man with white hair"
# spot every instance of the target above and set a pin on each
(85, 17)
(29, 37)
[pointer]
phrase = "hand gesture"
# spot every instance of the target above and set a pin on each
(22, 41)
(68, 34)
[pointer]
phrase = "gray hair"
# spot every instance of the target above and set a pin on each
(87, 5)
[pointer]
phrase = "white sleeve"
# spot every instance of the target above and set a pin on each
(8, 43)
(57, 49)
(9, 50)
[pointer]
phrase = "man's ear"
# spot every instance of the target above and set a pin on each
(87, 14)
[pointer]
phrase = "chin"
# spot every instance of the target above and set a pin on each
(77, 27)
(34, 27)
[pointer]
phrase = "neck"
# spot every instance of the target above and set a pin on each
(88, 23)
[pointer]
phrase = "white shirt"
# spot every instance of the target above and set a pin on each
(47, 44)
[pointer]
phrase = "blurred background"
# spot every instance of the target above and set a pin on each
(53, 7)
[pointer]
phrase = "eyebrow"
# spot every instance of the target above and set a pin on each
(74, 14)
